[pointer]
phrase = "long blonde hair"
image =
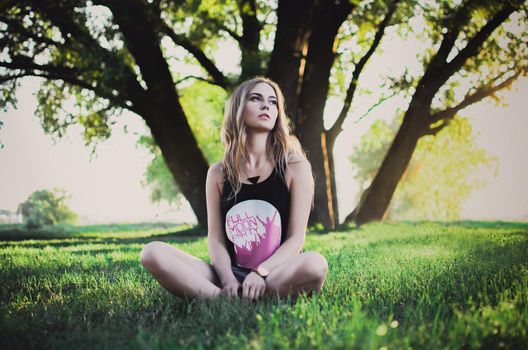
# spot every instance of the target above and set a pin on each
(280, 145)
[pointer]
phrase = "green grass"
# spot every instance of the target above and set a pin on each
(394, 285)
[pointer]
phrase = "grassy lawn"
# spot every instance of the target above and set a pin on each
(390, 286)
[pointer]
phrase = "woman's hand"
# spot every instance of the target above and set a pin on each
(253, 287)
(231, 288)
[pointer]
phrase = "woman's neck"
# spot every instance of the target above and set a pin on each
(256, 148)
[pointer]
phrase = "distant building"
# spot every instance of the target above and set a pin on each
(10, 217)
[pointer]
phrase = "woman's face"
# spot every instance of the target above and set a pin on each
(261, 110)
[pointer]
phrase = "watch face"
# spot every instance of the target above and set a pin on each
(262, 271)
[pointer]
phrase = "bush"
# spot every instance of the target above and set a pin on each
(46, 207)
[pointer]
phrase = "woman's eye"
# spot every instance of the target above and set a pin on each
(257, 98)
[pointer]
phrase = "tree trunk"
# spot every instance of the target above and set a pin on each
(182, 155)
(251, 61)
(163, 112)
(286, 66)
(329, 151)
(311, 103)
(376, 198)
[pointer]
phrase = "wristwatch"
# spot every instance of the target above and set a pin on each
(262, 272)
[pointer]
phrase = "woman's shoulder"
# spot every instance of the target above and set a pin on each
(298, 161)
(216, 170)
(298, 167)
(216, 174)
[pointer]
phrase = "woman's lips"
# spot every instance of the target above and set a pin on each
(264, 116)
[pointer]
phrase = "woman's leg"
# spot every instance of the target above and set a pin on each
(303, 273)
(178, 272)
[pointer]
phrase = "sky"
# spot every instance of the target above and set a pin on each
(107, 188)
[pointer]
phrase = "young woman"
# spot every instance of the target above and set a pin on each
(258, 202)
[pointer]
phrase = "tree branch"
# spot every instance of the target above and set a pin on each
(472, 47)
(68, 75)
(218, 77)
(19, 28)
(222, 27)
(26, 63)
(432, 131)
(377, 104)
(449, 113)
(194, 77)
(129, 85)
(334, 131)
(6, 78)
(453, 23)
(250, 24)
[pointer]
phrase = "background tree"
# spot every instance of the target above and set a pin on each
(472, 56)
(46, 207)
(443, 172)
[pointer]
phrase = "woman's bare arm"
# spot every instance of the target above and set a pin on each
(301, 194)
(215, 238)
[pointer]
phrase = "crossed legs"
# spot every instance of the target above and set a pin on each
(183, 274)
(305, 272)
(178, 272)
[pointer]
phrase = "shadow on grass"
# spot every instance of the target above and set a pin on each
(319, 229)
(73, 235)
(84, 234)
(170, 237)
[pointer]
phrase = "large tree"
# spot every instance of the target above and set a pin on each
(107, 64)
(464, 47)
(111, 55)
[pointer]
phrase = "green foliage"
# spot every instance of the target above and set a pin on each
(58, 110)
(444, 170)
(201, 20)
(81, 83)
(372, 147)
(8, 95)
(203, 104)
(398, 286)
(46, 207)
(504, 52)
(158, 177)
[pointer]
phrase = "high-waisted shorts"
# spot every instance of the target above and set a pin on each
(240, 272)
